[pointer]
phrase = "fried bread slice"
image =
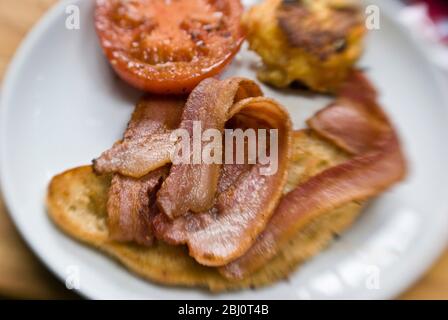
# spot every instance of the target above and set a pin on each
(77, 200)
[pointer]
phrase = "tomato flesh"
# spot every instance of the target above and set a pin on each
(168, 46)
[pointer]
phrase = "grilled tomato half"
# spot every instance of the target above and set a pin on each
(311, 42)
(168, 46)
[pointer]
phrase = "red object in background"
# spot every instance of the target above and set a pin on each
(438, 9)
(438, 12)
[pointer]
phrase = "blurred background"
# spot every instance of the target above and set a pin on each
(22, 276)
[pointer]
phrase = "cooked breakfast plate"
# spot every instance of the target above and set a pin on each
(354, 208)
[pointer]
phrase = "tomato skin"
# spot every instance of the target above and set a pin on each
(165, 86)
(181, 76)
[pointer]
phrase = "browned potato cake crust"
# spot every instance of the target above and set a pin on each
(313, 42)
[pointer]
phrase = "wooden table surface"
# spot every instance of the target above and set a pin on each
(21, 274)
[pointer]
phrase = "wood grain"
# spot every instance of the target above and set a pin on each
(21, 274)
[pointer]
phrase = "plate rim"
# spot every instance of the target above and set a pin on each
(37, 32)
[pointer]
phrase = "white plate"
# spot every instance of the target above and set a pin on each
(62, 106)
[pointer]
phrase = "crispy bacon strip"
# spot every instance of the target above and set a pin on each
(131, 206)
(192, 187)
(354, 122)
(245, 199)
(146, 145)
(131, 202)
(188, 187)
(357, 124)
(137, 157)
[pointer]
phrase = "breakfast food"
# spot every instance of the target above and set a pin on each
(168, 46)
(193, 194)
(242, 229)
(311, 42)
(77, 203)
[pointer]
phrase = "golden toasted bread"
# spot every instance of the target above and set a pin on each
(77, 204)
